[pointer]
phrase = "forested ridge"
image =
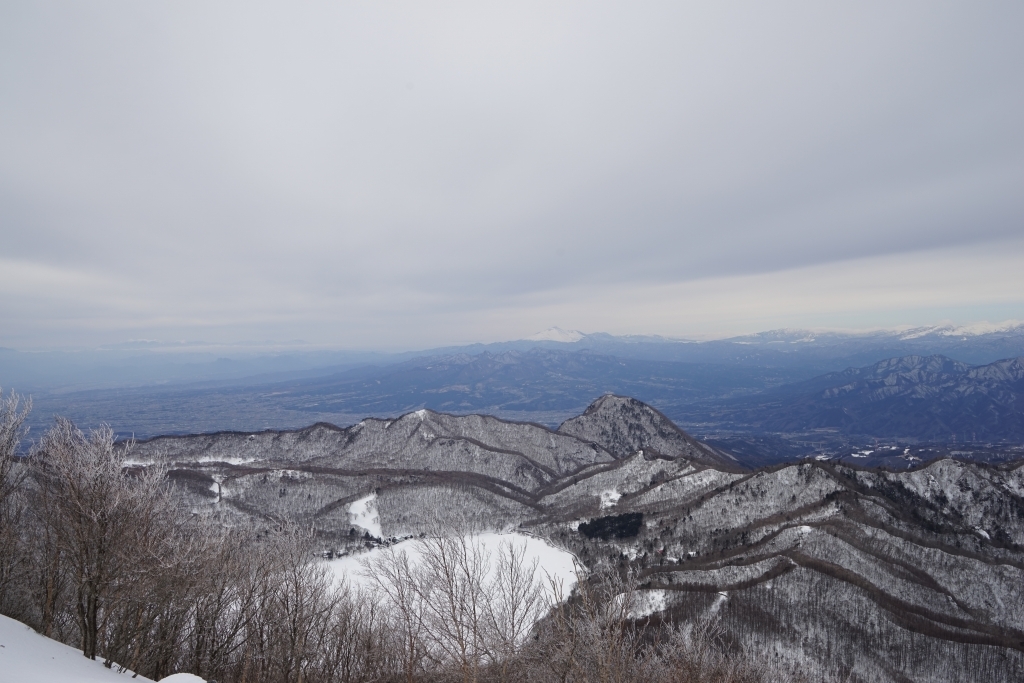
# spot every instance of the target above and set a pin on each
(207, 554)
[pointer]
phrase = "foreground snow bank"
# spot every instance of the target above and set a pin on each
(27, 657)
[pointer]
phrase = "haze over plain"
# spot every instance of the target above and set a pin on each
(400, 176)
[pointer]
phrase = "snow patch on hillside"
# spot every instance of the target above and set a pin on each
(723, 597)
(204, 460)
(646, 603)
(364, 515)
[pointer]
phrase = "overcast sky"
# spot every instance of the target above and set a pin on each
(403, 175)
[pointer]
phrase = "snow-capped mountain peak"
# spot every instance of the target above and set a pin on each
(557, 334)
(975, 330)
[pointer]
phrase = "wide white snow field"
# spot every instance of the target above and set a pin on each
(27, 657)
(552, 562)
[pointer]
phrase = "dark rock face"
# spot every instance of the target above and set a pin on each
(854, 574)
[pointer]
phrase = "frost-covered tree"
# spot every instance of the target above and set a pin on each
(12, 500)
(105, 523)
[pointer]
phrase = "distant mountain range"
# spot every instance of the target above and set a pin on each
(927, 398)
(807, 353)
(815, 351)
(768, 397)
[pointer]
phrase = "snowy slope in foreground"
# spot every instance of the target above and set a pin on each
(27, 657)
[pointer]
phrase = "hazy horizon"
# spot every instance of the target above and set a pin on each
(262, 347)
(411, 176)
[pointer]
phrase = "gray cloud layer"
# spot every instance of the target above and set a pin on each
(395, 174)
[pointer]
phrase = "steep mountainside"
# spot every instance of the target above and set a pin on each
(851, 574)
(929, 398)
(624, 426)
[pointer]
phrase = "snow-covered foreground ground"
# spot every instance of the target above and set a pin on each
(552, 563)
(27, 657)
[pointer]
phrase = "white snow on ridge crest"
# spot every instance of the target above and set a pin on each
(975, 330)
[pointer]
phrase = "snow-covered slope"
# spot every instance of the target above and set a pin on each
(27, 657)
(555, 565)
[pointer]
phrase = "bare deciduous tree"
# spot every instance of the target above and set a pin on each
(396, 580)
(457, 606)
(516, 603)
